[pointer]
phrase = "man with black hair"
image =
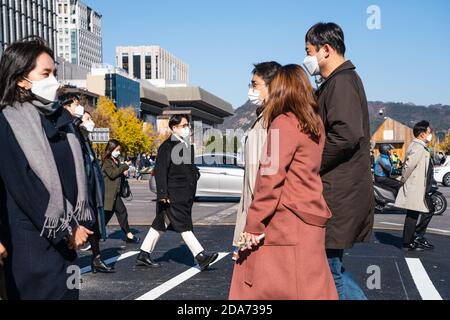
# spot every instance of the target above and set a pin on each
(346, 172)
(256, 137)
(176, 182)
(414, 196)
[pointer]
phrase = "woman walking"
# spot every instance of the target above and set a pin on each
(288, 207)
(44, 200)
(113, 173)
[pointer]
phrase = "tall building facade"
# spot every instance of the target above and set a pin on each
(152, 63)
(23, 18)
(79, 33)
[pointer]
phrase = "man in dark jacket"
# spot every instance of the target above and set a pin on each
(176, 181)
(346, 173)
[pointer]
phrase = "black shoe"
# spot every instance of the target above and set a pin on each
(204, 260)
(423, 243)
(99, 266)
(412, 247)
(134, 240)
(145, 259)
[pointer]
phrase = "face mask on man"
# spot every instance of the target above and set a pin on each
(185, 133)
(311, 64)
(255, 97)
(430, 138)
(46, 88)
(79, 111)
(89, 126)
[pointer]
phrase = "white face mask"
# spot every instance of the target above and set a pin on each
(115, 154)
(255, 97)
(430, 138)
(79, 111)
(311, 64)
(46, 88)
(89, 126)
(185, 133)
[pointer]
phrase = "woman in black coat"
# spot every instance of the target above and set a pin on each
(42, 227)
(176, 181)
(113, 174)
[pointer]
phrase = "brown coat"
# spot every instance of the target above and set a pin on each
(289, 208)
(346, 173)
(112, 174)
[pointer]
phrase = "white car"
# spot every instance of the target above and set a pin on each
(221, 175)
(442, 174)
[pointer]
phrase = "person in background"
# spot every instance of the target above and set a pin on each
(442, 158)
(176, 181)
(44, 199)
(288, 207)
(372, 160)
(414, 196)
(395, 159)
(384, 169)
(113, 173)
(258, 94)
(346, 173)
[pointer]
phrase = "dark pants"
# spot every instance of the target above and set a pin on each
(121, 213)
(390, 183)
(2, 284)
(412, 229)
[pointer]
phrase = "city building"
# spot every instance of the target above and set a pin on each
(152, 63)
(79, 37)
(116, 84)
(23, 18)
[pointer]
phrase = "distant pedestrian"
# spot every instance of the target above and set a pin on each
(176, 181)
(414, 196)
(113, 172)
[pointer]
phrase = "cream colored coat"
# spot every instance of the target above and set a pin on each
(254, 148)
(414, 176)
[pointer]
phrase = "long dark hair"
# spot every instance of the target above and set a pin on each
(291, 91)
(18, 60)
(112, 144)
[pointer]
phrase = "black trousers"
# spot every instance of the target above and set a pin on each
(121, 213)
(412, 229)
(390, 183)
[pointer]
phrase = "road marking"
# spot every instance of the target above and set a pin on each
(112, 260)
(423, 282)
(174, 282)
(401, 225)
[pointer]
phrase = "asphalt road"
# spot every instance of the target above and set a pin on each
(383, 270)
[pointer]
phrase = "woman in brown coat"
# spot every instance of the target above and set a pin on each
(288, 207)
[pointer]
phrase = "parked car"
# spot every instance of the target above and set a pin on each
(442, 174)
(222, 175)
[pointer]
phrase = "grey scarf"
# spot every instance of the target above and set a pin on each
(25, 122)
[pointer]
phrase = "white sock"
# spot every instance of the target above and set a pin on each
(151, 240)
(192, 243)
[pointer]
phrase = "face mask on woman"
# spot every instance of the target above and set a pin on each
(89, 126)
(115, 154)
(255, 97)
(79, 111)
(46, 88)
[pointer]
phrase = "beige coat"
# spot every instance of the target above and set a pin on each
(254, 148)
(412, 195)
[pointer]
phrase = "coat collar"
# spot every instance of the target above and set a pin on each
(420, 142)
(347, 65)
(55, 123)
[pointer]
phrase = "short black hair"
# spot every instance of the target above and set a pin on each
(421, 127)
(326, 33)
(267, 70)
(18, 60)
(176, 119)
(68, 98)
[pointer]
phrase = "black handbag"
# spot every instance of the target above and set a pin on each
(125, 190)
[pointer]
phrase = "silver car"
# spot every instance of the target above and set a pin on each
(222, 175)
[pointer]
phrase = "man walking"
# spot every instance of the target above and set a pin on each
(346, 173)
(417, 177)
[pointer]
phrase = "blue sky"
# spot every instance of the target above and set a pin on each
(407, 60)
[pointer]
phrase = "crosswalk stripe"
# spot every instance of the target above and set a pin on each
(422, 280)
(112, 260)
(174, 282)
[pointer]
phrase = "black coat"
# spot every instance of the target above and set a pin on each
(176, 180)
(346, 173)
(36, 267)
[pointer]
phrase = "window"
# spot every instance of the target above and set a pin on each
(125, 62)
(148, 67)
(137, 66)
